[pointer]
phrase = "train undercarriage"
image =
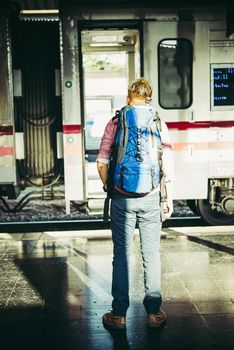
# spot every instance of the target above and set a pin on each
(218, 208)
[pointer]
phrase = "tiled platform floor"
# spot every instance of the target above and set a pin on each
(54, 288)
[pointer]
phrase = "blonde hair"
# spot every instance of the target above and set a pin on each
(140, 88)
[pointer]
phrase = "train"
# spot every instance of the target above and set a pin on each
(65, 72)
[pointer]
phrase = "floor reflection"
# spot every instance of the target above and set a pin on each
(120, 340)
(53, 294)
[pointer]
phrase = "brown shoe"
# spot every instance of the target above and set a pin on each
(116, 322)
(155, 320)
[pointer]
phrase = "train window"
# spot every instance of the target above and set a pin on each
(175, 73)
(98, 112)
(222, 86)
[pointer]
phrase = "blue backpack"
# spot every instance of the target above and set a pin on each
(137, 151)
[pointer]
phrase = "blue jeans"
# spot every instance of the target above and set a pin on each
(125, 212)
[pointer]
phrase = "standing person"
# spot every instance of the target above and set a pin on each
(140, 204)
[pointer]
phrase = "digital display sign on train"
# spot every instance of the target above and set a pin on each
(223, 86)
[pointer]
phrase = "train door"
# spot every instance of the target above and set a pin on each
(110, 59)
(176, 61)
(37, 101)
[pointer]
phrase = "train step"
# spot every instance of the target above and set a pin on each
(95, 206)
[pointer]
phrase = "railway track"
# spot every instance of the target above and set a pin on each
(92, 224)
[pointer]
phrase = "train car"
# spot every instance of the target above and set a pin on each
(187, 55)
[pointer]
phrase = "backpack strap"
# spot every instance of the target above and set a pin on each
(106, 209)
(163, 197)
(123, 125)
(163, 191)
(113, 158)
(111, 169)
(117, 115)
(158, 122)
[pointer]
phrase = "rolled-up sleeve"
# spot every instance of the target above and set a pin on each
(167, 157)
(107, 140)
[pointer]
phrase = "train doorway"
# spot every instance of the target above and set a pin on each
(37, 101)
(110, 60)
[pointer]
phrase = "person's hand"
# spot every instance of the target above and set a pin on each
(168, 208)
(105, 187)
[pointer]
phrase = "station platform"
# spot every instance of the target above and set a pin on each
(55, 287)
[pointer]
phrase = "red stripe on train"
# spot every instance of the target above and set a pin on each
(72, 129)
(200, 125)
(202, 146)
(7, 151)
(6, 130)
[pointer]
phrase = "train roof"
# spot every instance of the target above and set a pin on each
(55, 4)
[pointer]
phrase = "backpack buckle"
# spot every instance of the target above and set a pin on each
(139, 157)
